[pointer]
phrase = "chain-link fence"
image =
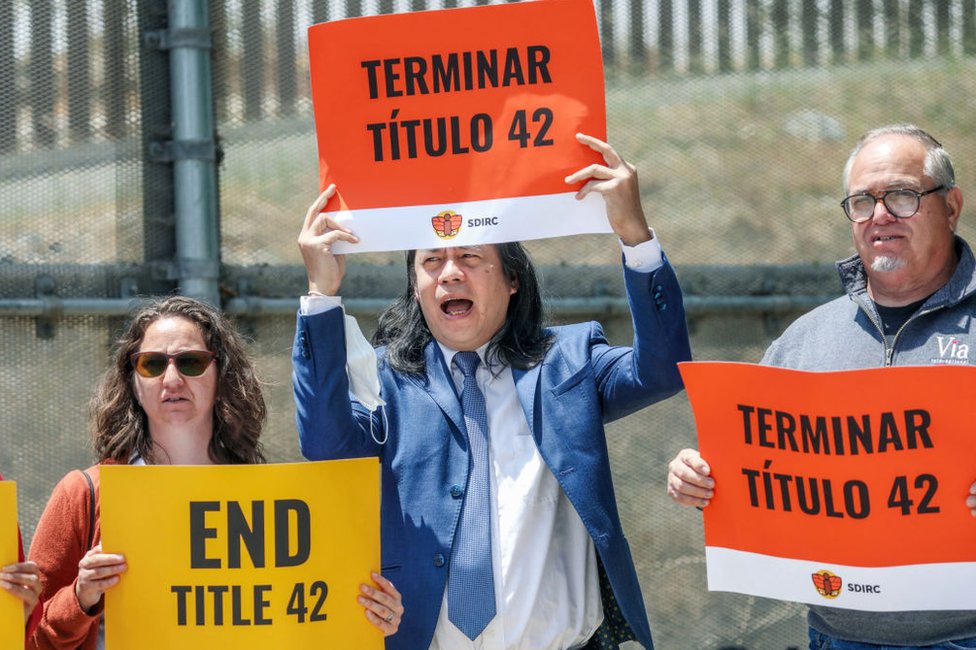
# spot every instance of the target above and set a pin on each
(738, 114)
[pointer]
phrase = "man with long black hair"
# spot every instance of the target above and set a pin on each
(499, 521)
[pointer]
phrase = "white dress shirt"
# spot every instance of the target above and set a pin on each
(547, 590)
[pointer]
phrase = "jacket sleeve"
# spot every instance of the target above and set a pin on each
(331, 423)
(58, 545)
(629, 379)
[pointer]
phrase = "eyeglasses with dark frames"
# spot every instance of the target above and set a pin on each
(902, 203)
(191, 363)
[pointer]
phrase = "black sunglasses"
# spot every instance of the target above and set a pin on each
(191, 363)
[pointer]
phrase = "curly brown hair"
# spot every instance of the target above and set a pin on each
(119, 426)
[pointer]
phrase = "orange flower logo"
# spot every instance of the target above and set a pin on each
(828, 585)
(447, 224)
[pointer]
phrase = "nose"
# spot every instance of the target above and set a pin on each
(881, 213)
(171, 375)
(450, 271)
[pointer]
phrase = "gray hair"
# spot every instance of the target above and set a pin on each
(937, 165)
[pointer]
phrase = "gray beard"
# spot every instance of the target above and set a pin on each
(885, 264)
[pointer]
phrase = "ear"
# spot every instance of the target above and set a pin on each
(953, 207)
(513, 286)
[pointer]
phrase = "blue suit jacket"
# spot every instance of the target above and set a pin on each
(582, 383)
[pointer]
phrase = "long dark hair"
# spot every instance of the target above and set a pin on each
(119, 426)
(521, 342)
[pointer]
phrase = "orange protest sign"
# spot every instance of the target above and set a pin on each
(452, 111)
(852, 473)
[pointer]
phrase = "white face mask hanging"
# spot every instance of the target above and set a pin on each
(364, 381)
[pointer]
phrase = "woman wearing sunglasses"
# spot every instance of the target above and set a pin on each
(181, 390)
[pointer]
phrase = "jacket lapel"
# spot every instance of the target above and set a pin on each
(440, 386)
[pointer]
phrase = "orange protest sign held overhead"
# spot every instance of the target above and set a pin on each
(468, 113)
(838, 483)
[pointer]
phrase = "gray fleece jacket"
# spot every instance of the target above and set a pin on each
(846, 334)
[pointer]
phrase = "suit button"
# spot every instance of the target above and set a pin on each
(438, 560)
(456, 491)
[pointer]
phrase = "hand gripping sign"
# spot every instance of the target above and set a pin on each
(241, 556)
(457, 127)
(845, 489)
(11, 609)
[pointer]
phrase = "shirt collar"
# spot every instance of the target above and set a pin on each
(450, 352)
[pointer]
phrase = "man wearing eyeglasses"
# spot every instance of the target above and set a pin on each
(911, 286)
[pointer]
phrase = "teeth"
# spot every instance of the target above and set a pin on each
(460, 307)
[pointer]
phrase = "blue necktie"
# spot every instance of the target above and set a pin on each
(470, 582)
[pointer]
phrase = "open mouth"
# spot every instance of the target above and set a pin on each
(456, 306)
(880, 239)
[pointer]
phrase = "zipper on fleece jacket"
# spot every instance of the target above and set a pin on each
(889, 351)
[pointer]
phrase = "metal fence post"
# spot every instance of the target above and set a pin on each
(194, 150)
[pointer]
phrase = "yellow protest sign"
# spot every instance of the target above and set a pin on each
(11, 609)
(255, 556)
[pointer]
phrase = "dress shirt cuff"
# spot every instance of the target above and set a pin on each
(317, 303)
(645, 257)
